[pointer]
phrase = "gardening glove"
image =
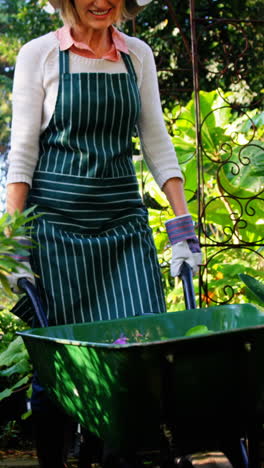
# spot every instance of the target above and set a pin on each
(23, 271)
(185, 245)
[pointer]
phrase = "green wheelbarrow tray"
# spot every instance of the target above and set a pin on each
(195, 386)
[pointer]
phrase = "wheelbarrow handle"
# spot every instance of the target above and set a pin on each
(185, 275)
(187, 282)
(31, 291)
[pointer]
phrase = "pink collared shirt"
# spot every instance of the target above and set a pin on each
(66, 42)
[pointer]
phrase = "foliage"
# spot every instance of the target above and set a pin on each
(15, 384)
(15, 381)
(11, 228)
(9, 324)
(254, 285)
(15, 367)
(8, 432)
(5, 114)
(20, 22)
(198, 330)
(232, 52)
(233, 158)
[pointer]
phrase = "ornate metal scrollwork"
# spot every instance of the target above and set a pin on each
(237, 195)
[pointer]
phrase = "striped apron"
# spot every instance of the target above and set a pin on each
(95, 257)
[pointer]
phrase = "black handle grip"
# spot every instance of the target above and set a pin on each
(31, 291)
(188, 289)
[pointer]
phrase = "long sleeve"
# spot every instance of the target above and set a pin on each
(157, 147)
(28, 96)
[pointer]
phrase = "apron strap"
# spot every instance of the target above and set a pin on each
(64, 61)
(129, 65)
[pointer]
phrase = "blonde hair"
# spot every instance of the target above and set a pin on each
(130, 10)
(70, 16)
(68, 12)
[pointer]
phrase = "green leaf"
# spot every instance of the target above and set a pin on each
(254, 285)
(26, 415)
(232, 270)
(5, 285)
(257, 120)
(237, 173)
(20, 367)
(185, 150)
(190, 176)
(15, 351)
(198, 330)
(5, 393)
(21, 382)
(8, 391)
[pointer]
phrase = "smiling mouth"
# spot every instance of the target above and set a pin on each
(100, 13)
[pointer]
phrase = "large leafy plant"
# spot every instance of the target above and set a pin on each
(11, 229)
(15, 367)
(233, 168)
(232, 156)
(255, 287)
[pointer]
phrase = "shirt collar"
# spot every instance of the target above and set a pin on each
(66, 41)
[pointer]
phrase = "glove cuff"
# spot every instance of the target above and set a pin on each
(23, 242)
(180, 229)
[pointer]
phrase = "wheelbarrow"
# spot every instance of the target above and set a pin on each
(144, 383)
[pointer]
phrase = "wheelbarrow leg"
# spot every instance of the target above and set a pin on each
(254, 437)
(254, 450)
(235, 451)
(52, 438)
(53, 430)
(91, 449)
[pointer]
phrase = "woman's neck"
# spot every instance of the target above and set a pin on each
(99, 41)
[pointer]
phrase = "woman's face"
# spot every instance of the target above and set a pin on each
(98, 14)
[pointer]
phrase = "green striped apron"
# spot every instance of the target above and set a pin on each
(95, 257)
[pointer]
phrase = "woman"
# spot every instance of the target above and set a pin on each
(78, 94)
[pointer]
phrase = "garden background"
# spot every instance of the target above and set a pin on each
(209, 56)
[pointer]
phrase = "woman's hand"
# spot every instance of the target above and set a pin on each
(181, 252)
(185, 244)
